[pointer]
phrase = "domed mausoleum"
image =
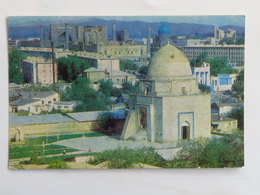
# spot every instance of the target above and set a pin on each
(169, 105)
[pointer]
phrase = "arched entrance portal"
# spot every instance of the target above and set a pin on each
(62, 38)
(185, 131)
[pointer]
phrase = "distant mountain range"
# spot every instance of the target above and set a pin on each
(137, 29)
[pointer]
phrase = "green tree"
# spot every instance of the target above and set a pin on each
(199, 60)
(127, 65)
(123, 158)
(174, 36)
(233, 40)
(105, 87)
(219, 66)
(116, 92)
(143, 70)
(81, 90)
(15, 66)
(58, 164)
(238, 86)
(69, 68)
(104, 121)
(238, 113)
(204, 88)
(227, 151)
(128, 88)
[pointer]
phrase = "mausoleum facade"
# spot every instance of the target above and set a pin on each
(169, 105)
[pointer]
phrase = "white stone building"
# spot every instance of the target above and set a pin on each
(169, 105)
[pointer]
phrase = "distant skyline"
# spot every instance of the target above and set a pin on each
(221, 20)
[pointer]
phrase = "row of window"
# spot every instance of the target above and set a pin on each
(49, 102)
(61, 107)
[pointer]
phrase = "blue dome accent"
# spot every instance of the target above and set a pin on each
(164, 29)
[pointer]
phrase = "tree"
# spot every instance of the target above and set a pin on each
(69, 68)
(128, 88)
(204, 88)
(106, 87)
(15, 66)
(127, 65)
(219, 66)
(123, 158)
(143, 70)
(116, 92)
(104, 121)
(81, 91)
(58, 164)
(233, 40)
(199, 60)
(238, 86)
(227, 151)
(238, 113)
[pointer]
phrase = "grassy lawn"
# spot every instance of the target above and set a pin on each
(34, 146)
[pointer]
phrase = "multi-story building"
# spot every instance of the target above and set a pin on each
(44, 52)
(99, 61)
(202, 74)
(39, 70)
(34, 102)
(223, 82)
(233, 53)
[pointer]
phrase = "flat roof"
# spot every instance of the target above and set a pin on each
(15, 120)
(23, 102)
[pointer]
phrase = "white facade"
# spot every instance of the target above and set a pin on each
(223, 82)
(202, 74)
(67, 106)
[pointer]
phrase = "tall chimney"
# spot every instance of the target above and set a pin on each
(149, 43)
(67, 36)
(41, 36)
(114, 32)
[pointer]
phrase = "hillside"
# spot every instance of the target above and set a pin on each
(137, 29)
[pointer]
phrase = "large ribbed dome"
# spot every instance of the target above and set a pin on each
(168, 62)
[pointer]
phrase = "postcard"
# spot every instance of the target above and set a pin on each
(126, 92)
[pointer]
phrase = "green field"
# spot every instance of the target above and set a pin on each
(40, 146)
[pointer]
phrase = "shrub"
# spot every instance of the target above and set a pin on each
(58, 164)
(123, 158)
(227, 151)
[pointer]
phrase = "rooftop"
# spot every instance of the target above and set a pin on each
(37, 119)
(93, 69)
(221, 118)
(37, 94)
(92, 116)
(23, 102)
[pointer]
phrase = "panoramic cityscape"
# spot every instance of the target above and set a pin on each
(126, 92)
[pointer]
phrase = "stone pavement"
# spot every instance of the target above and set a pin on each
(99, 144)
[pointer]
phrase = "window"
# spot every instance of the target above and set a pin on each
(143, 117)
(183, 91)
(42, 101)
(54, 99)
(49, 102)
(59, 107)
(66, 107)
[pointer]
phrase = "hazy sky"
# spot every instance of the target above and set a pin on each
(222, 20)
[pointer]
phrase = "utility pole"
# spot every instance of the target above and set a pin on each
(53, 64)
